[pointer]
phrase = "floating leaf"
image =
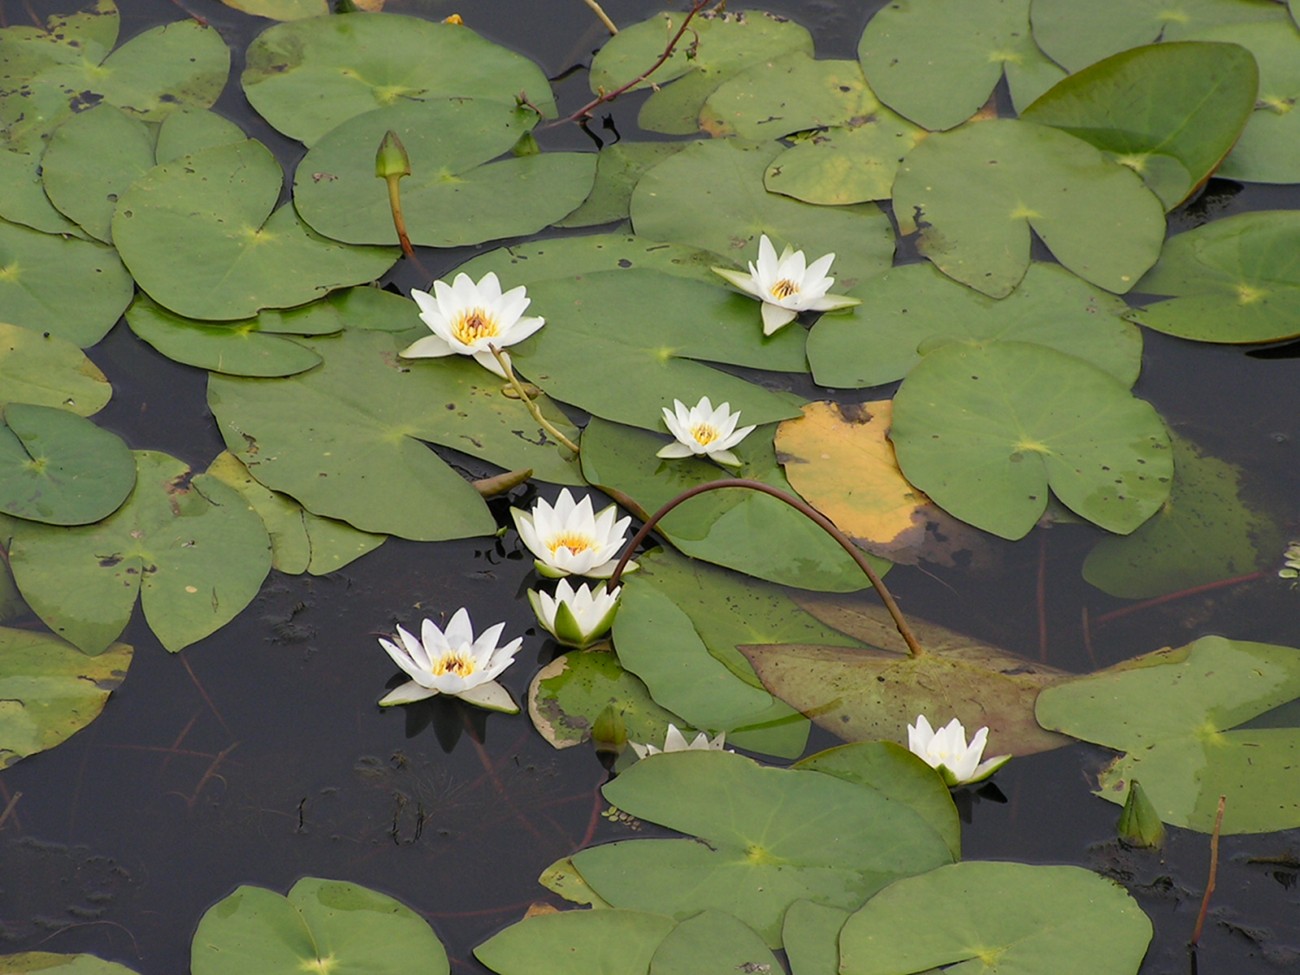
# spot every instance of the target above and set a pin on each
(22, 194)
(27, 962)
(846, 164)
(200, 237)
(1006, 917)
(840, 461)
(323, 925)
(1233, 280)
(718, 45)
(58, 468)
(937, 61)
(769, 837)
(984, 430)
(49, 691)
(281, 9)
(728, 208)
(975, 193)
(363, 462)
(870, 694)
(454, 195)
(49, 371)
(618, 169)
(188, 131)
(576, 943)
(569, 257)
(710, 942)
(1206, 531)
(1171, 710)
(1168, 111)
(309, 76)
(915, 307)
(811, 933)
(192, 549)
(75, 289)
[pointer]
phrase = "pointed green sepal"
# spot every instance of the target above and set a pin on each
(1139, 823)
(391, 161)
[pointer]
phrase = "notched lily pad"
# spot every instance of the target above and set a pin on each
(576, 943)
(49, 371)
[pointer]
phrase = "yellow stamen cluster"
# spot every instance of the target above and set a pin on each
(574, 542)
(473, 324)
(458, 662)
(704, 434)
(784, 288)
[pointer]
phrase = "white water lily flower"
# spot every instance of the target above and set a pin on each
(675, 741)
(453, 663)
(466, 318)
(787, 284)
(575, 617)
(946, 751)
(569, 539)
(704, 431)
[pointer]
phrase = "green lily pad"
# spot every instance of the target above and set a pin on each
(718, 45)
(22, 192)
(323, 925)
(914, 306)
(49, 371)
(360, 459)
(728, 208)
(767, 838)
(710, 942)
(308, 76)
(618, 169)
(239, 348)
(850, 163)
(1170, 112)
(192, 549)
(1205, 532)
(1176, 713)
(192, 130)
(811, 933)
(58, 468)
(1017, 918)
(977, 192)
(743, 530)
(74, 289)
(569, 257)
(455, 195)
(936, 62)
(281, 9)
(576, 943)
(984, 430)
(200, 237)
(1076, 35)
(49, 691)
(26, 962)
(1232, 280)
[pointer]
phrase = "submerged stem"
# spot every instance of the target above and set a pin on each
(604, 17)
(533, 408)
(858, 556)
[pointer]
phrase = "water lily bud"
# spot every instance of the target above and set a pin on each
(391, 160)
(609, 731)
(575, 617)
(1139, 823)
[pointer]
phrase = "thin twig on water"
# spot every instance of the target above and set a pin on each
(1214, 873)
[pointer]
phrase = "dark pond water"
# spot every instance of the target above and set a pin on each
(258, 756)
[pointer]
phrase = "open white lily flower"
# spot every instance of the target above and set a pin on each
(704, 431)
(787, 284)
(454, 663)
(466, 318)
(569, 539)
(675, 741)
(946, 751)
(575, 617)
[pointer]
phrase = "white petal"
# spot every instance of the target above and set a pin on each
(489, 288)
(725, 457)
(521, 330)
(767, 261)
(407, 693)
(489, 362)
(492, 696)
(403, 660)
(834, 302)
(459, 632)
(429, 347)
(775, 317)
(742, 280)
(818, 268)
(674, 450)
(674, 741)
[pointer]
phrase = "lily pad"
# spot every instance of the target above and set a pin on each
(188, 545)
(74, 289)
(977, 192)
(1176, 713)
(1170, 112)
(728, 208)
(767, 837)
(58, 468)
(915, 307)
(49, 371)
(1205, 532)
(281, 9)
(984, 430)
(937, 61)
(188, 131)
(570, 257)
(26, 962)
(455, 195)
(1007, 917)
(323, 925)
(360, 459)
(200, 237)
(576, 943)
(49, 691)
(308, 76)
(618, 169)
(850, 163)
(812, 937)
(1232, 280)
(710, 942)
(718, 45)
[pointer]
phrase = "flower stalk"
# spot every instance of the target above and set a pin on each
(858, 556)
(602, 16)
(504, 361)
(391, 164)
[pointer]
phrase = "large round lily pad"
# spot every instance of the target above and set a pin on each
(984, 430)
(976, 193)
(576, 943)
(200, 237)
(49, 371)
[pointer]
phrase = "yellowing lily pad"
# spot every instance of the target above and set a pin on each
(49, 371)
(850, 163)
(975, 193)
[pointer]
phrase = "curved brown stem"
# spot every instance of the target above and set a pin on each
(803, 508)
